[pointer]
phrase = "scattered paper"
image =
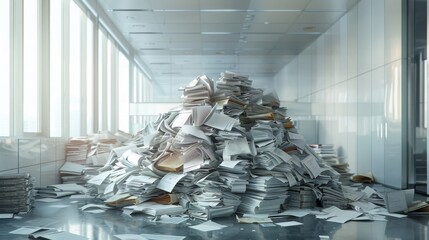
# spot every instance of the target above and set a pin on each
(208, 226)
(81, 196)
(6, 215)
(254, 220)
(96, 211)
(59, 206)
(130, 237)
(99, 179)
(163, 237)
(91, 205)
(267, 225)
(288, 224)
(296, 212)
(171, 220)
(48, 200)
(26, 230)
(169, 181)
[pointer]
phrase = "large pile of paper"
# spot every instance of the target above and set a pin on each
(16, 193)
(226, 150)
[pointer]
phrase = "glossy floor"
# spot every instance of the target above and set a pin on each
(65, 215)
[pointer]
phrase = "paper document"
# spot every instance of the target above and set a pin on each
(288, 224)
(169, 181)
(208, 226)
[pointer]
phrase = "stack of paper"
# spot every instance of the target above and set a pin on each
(221, 152)
(16, 193)
(77, 150)
(60, 190)
(72, 172)
(333, 196)
(301, 197)
(264, 195)
(198, 91)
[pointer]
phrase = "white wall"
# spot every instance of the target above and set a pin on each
(41, 157)
(353, 75)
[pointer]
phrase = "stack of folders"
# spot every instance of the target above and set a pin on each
(60, 190)
(16, 193)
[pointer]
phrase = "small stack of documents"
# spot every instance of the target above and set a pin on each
(198, 91)
(77, 150)
(301, 197)
(60, 190)
(265, 195)
(72, 172)
(16, 193)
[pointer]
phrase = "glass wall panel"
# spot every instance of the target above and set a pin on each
(55, 68)
(5, 67)
(30, 66)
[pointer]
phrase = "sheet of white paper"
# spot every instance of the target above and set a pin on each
(59, 206)
(25, 230)
(172, 220)
(81, 196)
(48, 200)
(384, 212)
(96, 211)
(99, 179)
(208, 226)
(97, 206)
(221, 121)
(69, 187)
(312, 165)
(63, 236)
(342, 216)
(194, 131)
(6, 215)
(169, 181)
(296, 212)
(396, 201)
(72, 167)
(130, 237)
(236, 146)
(288, 224)
(163, 237)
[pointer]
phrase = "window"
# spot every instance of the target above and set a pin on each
(75, 70)
(5, 68)
(55, 68)
(89, 76)
(123, 92)
(30, 66)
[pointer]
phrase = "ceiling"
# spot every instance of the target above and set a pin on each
(182, 39)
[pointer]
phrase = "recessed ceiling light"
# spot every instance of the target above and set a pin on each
(309, 29)
(266, 23)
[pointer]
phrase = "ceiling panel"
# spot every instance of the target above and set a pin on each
(227, 27)
(276, 17)
(182, 4)
(330, 5)
(177, 17)
(183, 38)
(267, 28)
(263, 37)
(222, 17)
(278, 4)
(319, 17)
(224, 4)
(126, 4)
(182, 28)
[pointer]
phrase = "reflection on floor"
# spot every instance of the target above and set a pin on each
(65, 215)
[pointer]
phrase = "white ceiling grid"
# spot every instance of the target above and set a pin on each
(184, 38)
